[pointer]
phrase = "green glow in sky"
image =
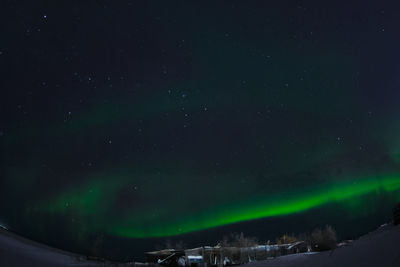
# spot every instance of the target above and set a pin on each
(269, 206)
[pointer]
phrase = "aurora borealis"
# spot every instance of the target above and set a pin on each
(138, 122)
(279, 205)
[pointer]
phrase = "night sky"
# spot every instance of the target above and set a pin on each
(127, 123)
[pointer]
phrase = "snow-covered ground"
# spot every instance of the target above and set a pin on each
(380, 248)
(16, 251)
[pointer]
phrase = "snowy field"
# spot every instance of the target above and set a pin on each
(16, 251)
(380, 248)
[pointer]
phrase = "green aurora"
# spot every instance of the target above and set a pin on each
(94, 203)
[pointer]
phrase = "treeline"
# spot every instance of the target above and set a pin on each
(318, 240)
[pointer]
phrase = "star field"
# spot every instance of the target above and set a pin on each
(138, 122)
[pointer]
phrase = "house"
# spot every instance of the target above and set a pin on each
(222, 256)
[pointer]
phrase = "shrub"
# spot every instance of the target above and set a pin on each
(286, 239)
(238, 240)
(97, 247)
(324, 239)
(168, 244)
(396, 214)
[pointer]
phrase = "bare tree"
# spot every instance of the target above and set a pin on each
(238, 240)
(324, 239)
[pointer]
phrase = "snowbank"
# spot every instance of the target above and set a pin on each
(380, 248)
